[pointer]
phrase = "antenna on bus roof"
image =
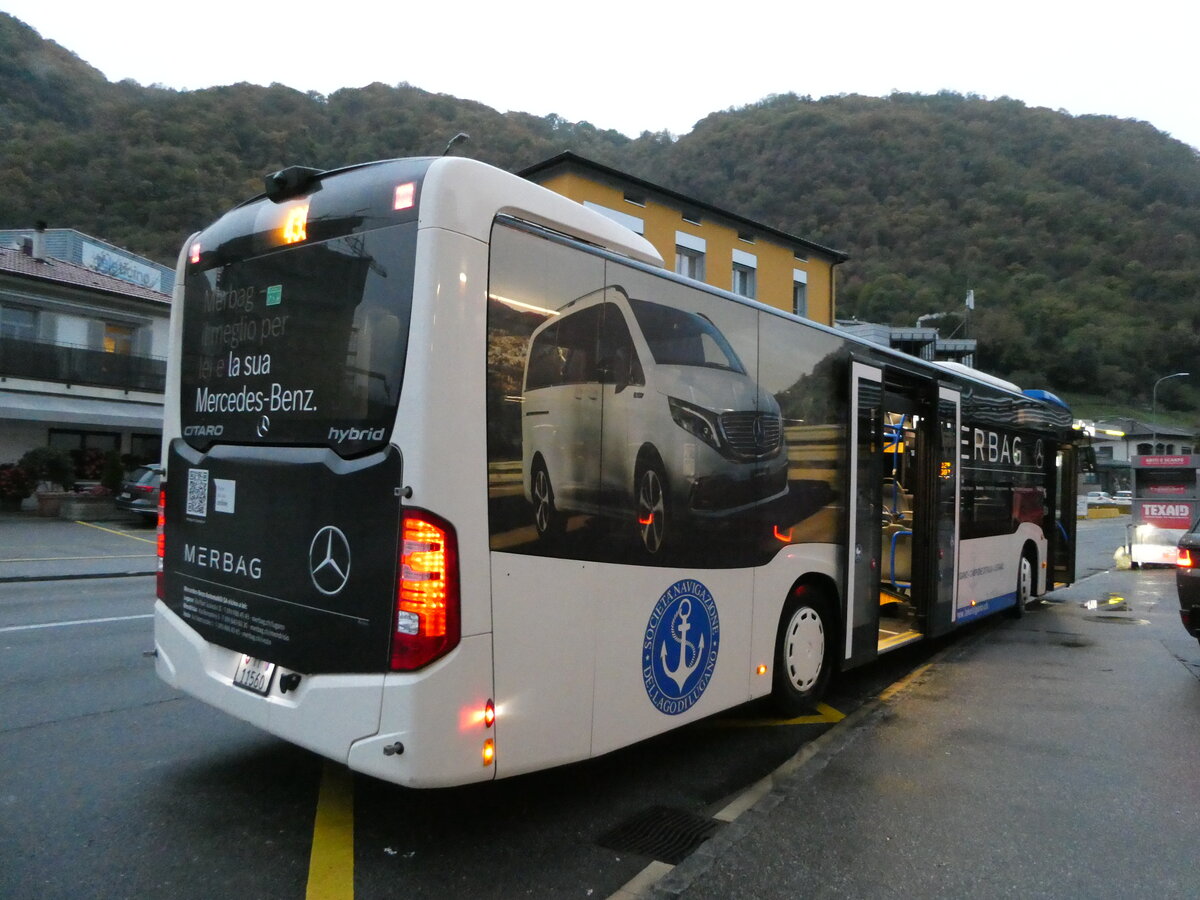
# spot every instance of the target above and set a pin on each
(459, 138)
(290, 182)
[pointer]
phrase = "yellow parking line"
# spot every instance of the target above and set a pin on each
(331, 863)
(825, 714)
(132, 537)
(899, 685)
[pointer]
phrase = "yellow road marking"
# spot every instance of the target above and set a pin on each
(897, 686)
(331, 863)
(825, 714)
(132, 537)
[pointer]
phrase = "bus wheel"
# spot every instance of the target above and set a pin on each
(548, 520)
(1024, 586)
(652, 512)
(804, 651)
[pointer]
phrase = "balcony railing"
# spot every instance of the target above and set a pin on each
(77, 365)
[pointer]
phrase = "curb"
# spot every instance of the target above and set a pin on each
(19, 579)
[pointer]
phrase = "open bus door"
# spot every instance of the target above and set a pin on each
(1062, 526)
(903, 509)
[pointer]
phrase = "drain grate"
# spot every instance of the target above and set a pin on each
(667, 835)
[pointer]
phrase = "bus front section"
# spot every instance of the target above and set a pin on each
(299, 591)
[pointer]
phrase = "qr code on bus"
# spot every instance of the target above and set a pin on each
(197, 496)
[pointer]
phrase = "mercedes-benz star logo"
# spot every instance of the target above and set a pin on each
(264, 425)
(329, 560)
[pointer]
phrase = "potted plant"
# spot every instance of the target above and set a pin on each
(54, 473)
(15, 485)
(90, 505)
(97, 501)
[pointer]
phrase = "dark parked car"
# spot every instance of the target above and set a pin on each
(139, 492)
(1187, 579)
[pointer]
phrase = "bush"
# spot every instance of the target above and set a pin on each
(112, 473)
(51, 465)
(15, 482)
(88, 463)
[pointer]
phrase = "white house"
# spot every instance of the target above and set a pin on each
(82, 355)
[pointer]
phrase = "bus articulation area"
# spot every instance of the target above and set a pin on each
(461, 483)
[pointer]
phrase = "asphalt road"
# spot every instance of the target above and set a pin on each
(114, 785)
(117, 786)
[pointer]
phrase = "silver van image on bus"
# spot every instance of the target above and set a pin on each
(633, 408)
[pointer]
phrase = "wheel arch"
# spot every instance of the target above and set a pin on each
(827, 589)
(1029, 550)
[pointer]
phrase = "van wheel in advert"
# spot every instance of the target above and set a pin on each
(653, 514)
(804, 651)
(1024, 586)
(546, 517)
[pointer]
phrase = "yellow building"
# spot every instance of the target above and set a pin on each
(704, 242)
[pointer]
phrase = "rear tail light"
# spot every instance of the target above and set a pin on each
(160, 540)
(426, 621)
(1184, 560)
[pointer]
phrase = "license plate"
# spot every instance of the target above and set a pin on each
(254, 674)
(125, 495)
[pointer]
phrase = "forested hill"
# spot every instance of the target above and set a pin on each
(1079, 235)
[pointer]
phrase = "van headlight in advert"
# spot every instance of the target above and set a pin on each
(696, 421)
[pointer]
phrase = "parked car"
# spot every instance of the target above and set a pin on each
(1187, 579)
(1099, 498)
(1123, 498)
(139, 492)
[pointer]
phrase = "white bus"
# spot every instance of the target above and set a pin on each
(461, 483)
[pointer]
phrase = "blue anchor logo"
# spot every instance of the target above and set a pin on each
(680, 627)
(679, 647)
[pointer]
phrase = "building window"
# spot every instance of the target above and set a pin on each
(743, 280)
(692, 218)
(1185, 450)
(18, 323)
(71, 439)
(1104, 452)
(800, 292)
(1145, 449)
(118, 339)
(746, 236)
(689, 255)
(801, 255)
(633, 223)
(145, 449)
(689, 262)
(744, 268)
(635, 198)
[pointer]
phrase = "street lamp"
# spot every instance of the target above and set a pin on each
(1154, 406)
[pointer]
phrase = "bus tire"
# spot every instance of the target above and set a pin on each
(546, 517)
(654, 520)
(804, 651)
(1024, 585)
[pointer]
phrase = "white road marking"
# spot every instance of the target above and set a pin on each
(74, 622)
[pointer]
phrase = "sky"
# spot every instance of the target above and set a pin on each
(653, 66)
